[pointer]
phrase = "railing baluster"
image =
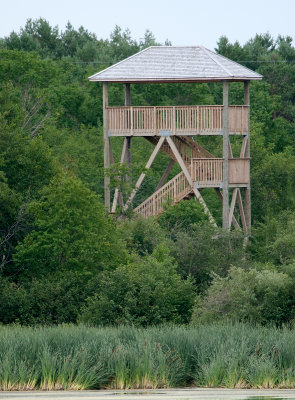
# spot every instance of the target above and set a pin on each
(178, 119)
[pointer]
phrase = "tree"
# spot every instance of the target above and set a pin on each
(71, 232)
(257, 296)
(148, 291)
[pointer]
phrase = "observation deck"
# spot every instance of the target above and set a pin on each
(174, 130)
(176, 120)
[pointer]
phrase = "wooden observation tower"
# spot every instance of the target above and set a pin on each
(174, 130)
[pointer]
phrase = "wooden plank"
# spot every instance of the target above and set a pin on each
(232, 206)
(235, 222)
(244, 146)
(239, 171)
(107, 193)
(127, 146)
(116, 195)
(230, 151)
(142, 176)
(189, 179)
(242, 214)
(247, 155)
(225, 203)
(165, 174)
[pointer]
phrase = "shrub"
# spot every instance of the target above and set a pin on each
(146, 292)
(257, 296)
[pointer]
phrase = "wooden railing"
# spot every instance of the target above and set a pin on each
(207, 171)
(185, 120)
(174, 190)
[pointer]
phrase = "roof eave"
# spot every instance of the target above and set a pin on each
(175, 80)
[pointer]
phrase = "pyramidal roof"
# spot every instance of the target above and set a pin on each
(175, 64)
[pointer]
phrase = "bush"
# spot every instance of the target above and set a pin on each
(142, 235)
(182, 215)
(146, 292)
(54, 300)
(256, 296)
(203, 250)
(71, 232)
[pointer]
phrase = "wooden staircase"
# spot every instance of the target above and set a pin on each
(171, 193)
(186, 146)
(178, 188)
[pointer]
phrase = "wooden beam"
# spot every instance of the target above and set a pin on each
(116, 195)
(196, 146)
(107, 195)
(142, 176)
(242, 214)
(189, 179)
(234, 221)
(112, 161)
(247, 197)
(128, 150)
(232, 206)
(244, 146)
(225, 193)
(165, 175)
(230, 150)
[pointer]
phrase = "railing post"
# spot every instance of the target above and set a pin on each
(107, 194)
(155, 120)
(247, 155)
(131, 121)
(225, 204)
(173, 121)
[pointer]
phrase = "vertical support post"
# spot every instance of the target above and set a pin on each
(247, 199)
(225, 191)
(106, 140)
(128, 138)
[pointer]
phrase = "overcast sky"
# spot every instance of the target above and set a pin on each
(183, 22)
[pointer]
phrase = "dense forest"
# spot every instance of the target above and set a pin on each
(63, 260)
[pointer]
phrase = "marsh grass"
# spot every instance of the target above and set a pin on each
(80, 357)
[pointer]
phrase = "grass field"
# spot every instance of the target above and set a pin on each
(80, 357)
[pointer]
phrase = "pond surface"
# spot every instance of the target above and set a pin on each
(159, 394)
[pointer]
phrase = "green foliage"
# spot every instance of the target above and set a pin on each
(256, 296)
(71, 232)
(57, 247)
(182, 215)
(146, 292)
(58, 299)
(142, 235)
(202, 250)
(273, 184)
(78, 357)
(274, 239)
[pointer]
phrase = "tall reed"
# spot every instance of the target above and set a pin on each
(80, 357)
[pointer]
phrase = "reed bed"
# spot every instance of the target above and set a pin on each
(80, 357)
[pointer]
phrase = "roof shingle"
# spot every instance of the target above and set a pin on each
(175, 64)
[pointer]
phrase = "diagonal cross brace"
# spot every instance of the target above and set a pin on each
(143, 174)
(189, 179)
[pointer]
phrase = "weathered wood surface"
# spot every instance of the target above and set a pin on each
(107, 195)
(225, 146)
(170, 193)
(178, 120)
(186, 146)
(247, 196)
(205, 172)
(239, 170)
(175, 64)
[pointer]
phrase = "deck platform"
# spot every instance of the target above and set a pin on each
(176, 120)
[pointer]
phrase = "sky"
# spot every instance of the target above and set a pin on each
(183, 22)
